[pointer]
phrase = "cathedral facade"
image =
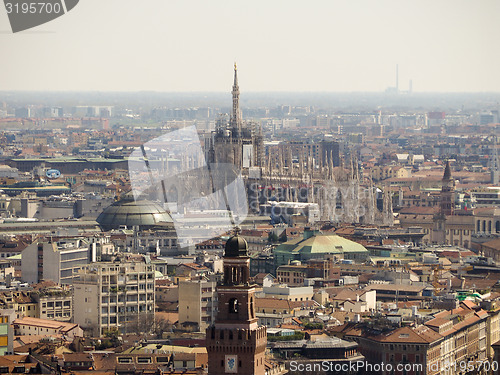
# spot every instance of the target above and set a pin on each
(296, 172)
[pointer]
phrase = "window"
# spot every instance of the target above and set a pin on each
(233, 306)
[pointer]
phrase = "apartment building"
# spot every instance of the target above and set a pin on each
(440, 346)
(292, 275)
(7, 316)
(295, 273)
(54, 303)
(161, 242)
(21, 302)
(54, 260)
(114, 296)
(197, 302)
(464, 335)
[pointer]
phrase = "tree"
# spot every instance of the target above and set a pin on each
(272, 237)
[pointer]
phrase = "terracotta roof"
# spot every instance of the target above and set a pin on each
(16, 361)
(345, 294)
(419, 210)
(52, 324)
(272, 302)
(469, 304)
(436, 322)
(418, 335)
(78, 357)
(493, 244)
(194, 266)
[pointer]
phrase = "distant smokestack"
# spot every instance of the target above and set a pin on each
(397, 78)
(410, 89)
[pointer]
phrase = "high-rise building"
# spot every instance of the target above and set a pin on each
(235, 342)
(113, 295)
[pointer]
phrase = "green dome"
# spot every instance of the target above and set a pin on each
(317, 246)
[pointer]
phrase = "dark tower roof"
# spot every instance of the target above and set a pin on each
(236, 246)
(447, 171)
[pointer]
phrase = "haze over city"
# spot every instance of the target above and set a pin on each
(339, 46)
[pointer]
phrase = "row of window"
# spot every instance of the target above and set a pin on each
(404, 347)
(56, 304)
(143, 360)
(113, 299)
(65, 314)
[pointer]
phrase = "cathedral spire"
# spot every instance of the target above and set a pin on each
(236, 115)
(235, 84)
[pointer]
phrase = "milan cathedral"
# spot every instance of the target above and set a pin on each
(339, 192)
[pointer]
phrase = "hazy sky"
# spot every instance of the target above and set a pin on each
(280, 45)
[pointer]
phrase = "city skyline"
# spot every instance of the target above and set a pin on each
(188, 47)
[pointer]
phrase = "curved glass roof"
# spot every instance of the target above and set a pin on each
(142, 213)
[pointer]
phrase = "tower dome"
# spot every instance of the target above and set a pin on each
(236, 246)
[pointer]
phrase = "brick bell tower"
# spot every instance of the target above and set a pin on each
(447, 202)
(235, 343)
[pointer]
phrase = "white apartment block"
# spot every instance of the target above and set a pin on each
(114, 296)
(54, 260)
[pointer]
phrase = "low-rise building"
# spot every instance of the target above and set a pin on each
(44, 327)
(298, 293)
(54, 303)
